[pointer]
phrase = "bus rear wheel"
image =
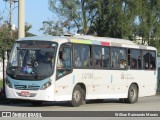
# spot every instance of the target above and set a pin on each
(78, 96)
(132, 94)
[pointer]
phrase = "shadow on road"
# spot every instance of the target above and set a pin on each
(22, 103)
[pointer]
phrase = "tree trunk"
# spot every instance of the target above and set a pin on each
(84, 17)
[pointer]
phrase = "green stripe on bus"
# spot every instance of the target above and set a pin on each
(81, 41)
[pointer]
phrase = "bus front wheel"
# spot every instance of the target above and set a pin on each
(132, 94)
(77, 96)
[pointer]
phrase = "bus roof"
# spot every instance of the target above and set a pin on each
(42, 38)
(87, 39)
(106, 41)
(116, 40)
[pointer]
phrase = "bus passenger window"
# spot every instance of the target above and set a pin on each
(77, 56)
(97, 59)
(87, 57)
(145, 59)
(106, 57)
(152, 60)
(64, 61)
(118, 60)
(114, 59)
(135, 59)
(82, 56)
(78, 61)
(133, 63)
(139, 60)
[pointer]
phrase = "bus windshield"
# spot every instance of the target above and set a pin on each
(32, 60)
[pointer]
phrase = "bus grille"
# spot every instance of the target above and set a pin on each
(26, 87)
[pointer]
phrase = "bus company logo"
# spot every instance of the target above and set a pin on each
(127, 76)
(6, 114)
(26, 86)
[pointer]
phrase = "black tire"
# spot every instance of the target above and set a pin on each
(132, 94)
(78, 96)
(36, 103)
(83, 96)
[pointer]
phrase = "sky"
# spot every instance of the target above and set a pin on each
(36, 11)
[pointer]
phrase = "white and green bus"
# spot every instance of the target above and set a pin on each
(79, 68)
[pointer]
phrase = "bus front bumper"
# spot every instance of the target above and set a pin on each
(40, 95)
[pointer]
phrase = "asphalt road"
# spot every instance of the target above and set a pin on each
(151, 103)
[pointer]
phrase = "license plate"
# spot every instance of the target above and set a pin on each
(25, 93)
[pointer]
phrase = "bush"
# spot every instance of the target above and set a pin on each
(1, 83)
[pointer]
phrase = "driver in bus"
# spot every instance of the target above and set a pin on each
(48, 58)
(61, 59)
(46, 63)
(61, 63)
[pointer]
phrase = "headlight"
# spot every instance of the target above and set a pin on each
(9, 83)
(46, 85)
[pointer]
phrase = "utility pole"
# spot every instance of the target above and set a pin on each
(10, 12)
(21, 24)
(10, 22)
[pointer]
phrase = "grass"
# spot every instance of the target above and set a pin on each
(1, 83)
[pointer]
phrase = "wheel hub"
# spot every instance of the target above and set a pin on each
(77, 96)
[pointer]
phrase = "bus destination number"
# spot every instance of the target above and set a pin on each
(87, 75)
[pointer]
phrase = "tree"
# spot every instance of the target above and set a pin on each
(52, 28)
(6, 39)
(149, 22)
(65, 13)
(73, 14)
(113, 18)
(27, 28)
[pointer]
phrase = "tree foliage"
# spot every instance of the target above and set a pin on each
(105, 17)
(149, 25)
(5, 37)
(52, 28)
(113, 18)
(68, 13)
(8, 36)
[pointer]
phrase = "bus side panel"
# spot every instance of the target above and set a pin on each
(103, 84)
(64, 87)
(147, 82)
(100, 84)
